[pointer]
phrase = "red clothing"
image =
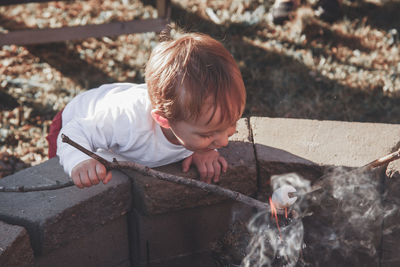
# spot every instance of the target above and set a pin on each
(55, 128)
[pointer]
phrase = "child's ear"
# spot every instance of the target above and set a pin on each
(160, 119)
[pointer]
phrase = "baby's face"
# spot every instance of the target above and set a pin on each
(202, 135)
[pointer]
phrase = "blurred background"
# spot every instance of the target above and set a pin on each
(343, 68)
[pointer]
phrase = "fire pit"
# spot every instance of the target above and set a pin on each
(337, 221)
(332, 222)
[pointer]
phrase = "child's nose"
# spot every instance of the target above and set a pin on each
(221, 140)
(231, 131)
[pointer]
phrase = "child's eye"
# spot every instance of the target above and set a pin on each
(205, 136)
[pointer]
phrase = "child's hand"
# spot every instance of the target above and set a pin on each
(209, 164)
(90, 172)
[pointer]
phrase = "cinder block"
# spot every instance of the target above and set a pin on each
(182, 238)
(105, 246)
(334, 143)
(391, 225)
(200, 259)
(390, 239)
(15, 248)
(56, 218)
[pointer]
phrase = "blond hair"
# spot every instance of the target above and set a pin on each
(195, 70)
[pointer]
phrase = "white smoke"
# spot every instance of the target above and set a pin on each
(269, 245)
(341, 223)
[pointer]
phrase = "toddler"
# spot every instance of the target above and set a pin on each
(188, 108)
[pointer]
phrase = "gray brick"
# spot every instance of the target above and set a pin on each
(15, 248)
(55, 218)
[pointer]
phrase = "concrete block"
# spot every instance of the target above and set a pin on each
(15, 247)
(391, 238)
(56, 218)
(303, 146)
(391, 224)
(200, 259)
(181, 237)
(336, 143)
(105, 246)
(153, 196)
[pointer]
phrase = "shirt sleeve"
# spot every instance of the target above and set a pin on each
(104, 130)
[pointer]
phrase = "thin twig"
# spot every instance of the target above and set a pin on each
(211, 188)
(367, 167)
(103, 161)
(382, 161)
(45, 187)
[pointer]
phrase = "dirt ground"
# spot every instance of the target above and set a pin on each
(306, 68)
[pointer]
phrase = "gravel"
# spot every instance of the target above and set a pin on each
(307, 68)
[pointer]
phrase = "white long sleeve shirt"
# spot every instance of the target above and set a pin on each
(116, 119)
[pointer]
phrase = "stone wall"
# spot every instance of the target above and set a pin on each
(137, 220)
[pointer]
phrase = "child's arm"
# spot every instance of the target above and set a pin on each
(209, 164)
(97, 132)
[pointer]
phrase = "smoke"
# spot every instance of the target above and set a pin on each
(269, 247)
(273, 246)
(347, 218)
(339, 225)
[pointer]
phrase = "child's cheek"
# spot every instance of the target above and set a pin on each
(200, 143)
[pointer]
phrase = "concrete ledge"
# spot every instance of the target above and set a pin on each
(55, 218)
(307, 146)
(336, 143)
(15, 248)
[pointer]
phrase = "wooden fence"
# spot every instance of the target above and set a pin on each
(48, 35)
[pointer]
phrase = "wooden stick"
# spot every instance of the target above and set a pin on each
(45, 187)
(381, 161)
(367, 167)
(211, 188)
(91, 154)
(146, 171)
